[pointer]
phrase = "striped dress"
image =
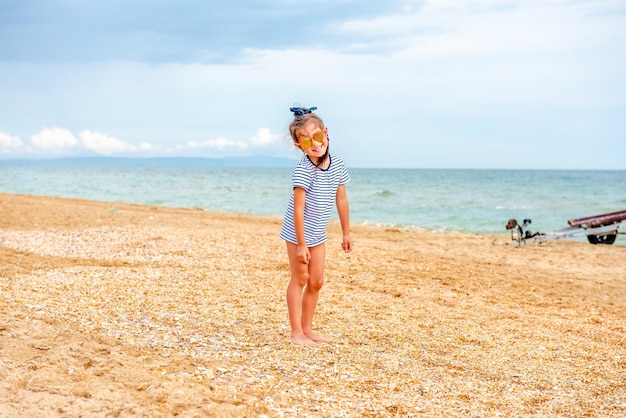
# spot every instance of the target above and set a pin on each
(321, 189)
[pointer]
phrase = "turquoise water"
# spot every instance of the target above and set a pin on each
(470, 201)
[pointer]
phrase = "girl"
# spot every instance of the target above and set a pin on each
(318, 180)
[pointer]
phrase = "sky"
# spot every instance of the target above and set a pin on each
(520, 84)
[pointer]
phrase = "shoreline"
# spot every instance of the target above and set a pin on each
(116, 308)
(480, 202)
(498, 238)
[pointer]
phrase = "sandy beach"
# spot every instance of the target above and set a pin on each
(117, 310)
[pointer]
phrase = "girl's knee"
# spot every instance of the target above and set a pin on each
(300, 279)
(315, 283)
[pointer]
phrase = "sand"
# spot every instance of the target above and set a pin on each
(120, 310)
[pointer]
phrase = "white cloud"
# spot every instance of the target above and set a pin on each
(54, 139)
(8, 142)
(103, 144)
(486, 27)
(59, 140)
(219, 144)
(263, 137)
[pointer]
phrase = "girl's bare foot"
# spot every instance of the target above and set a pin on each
(301, 339)
(317, 338)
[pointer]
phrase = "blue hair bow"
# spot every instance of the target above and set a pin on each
(299, 111)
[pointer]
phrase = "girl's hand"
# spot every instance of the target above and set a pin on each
(346, 245)
(303, 254)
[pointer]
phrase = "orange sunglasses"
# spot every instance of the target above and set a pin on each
(306, 143)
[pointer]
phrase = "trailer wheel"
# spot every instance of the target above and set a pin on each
(602, 239)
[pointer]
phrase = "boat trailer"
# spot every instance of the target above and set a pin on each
(599, 229)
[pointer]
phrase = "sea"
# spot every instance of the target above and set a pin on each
(472, 201)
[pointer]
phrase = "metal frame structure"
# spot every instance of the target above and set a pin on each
(599, 229)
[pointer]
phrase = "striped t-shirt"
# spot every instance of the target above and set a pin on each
(321, 190)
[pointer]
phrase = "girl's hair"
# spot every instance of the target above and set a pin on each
(299, 120)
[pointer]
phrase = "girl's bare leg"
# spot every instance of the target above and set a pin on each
(299, 279)
(302, 293)
(311, 291)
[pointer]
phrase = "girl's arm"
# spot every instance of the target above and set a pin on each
(344, 217)
(302, 252)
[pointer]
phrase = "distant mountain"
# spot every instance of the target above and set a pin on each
(256, 161)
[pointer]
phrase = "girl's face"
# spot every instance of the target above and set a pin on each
(312, 139)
